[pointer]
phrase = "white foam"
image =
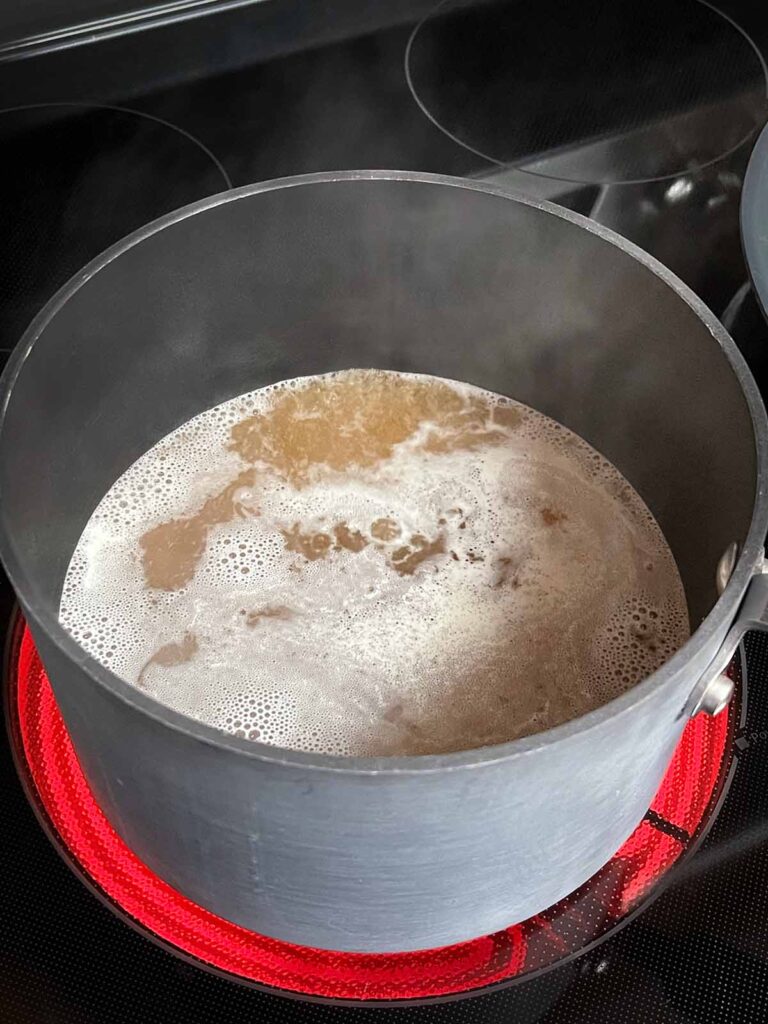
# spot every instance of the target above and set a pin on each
(517, 625)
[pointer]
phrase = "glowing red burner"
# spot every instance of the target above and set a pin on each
(680, 806)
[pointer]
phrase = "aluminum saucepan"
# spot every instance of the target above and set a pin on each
(410, 272)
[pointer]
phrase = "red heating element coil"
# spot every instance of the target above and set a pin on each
(681, 805)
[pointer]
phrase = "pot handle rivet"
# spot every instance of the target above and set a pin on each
(716, 696)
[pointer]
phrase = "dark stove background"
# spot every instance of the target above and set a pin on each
(281, 88)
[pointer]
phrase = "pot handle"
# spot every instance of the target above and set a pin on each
(715, 688)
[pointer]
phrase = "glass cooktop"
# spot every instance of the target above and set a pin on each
(99, 138)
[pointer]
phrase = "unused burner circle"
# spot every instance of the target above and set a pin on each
(593, 92)
(48, 763)
(78, 177)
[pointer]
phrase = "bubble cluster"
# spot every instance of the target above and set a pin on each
(489, 576)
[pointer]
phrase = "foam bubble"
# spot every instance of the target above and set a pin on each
(367, 563)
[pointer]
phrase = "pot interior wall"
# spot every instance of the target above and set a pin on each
(404, 275)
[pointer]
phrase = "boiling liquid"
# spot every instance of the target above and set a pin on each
(375, 563)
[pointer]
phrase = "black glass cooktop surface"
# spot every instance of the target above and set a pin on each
(101, 138)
